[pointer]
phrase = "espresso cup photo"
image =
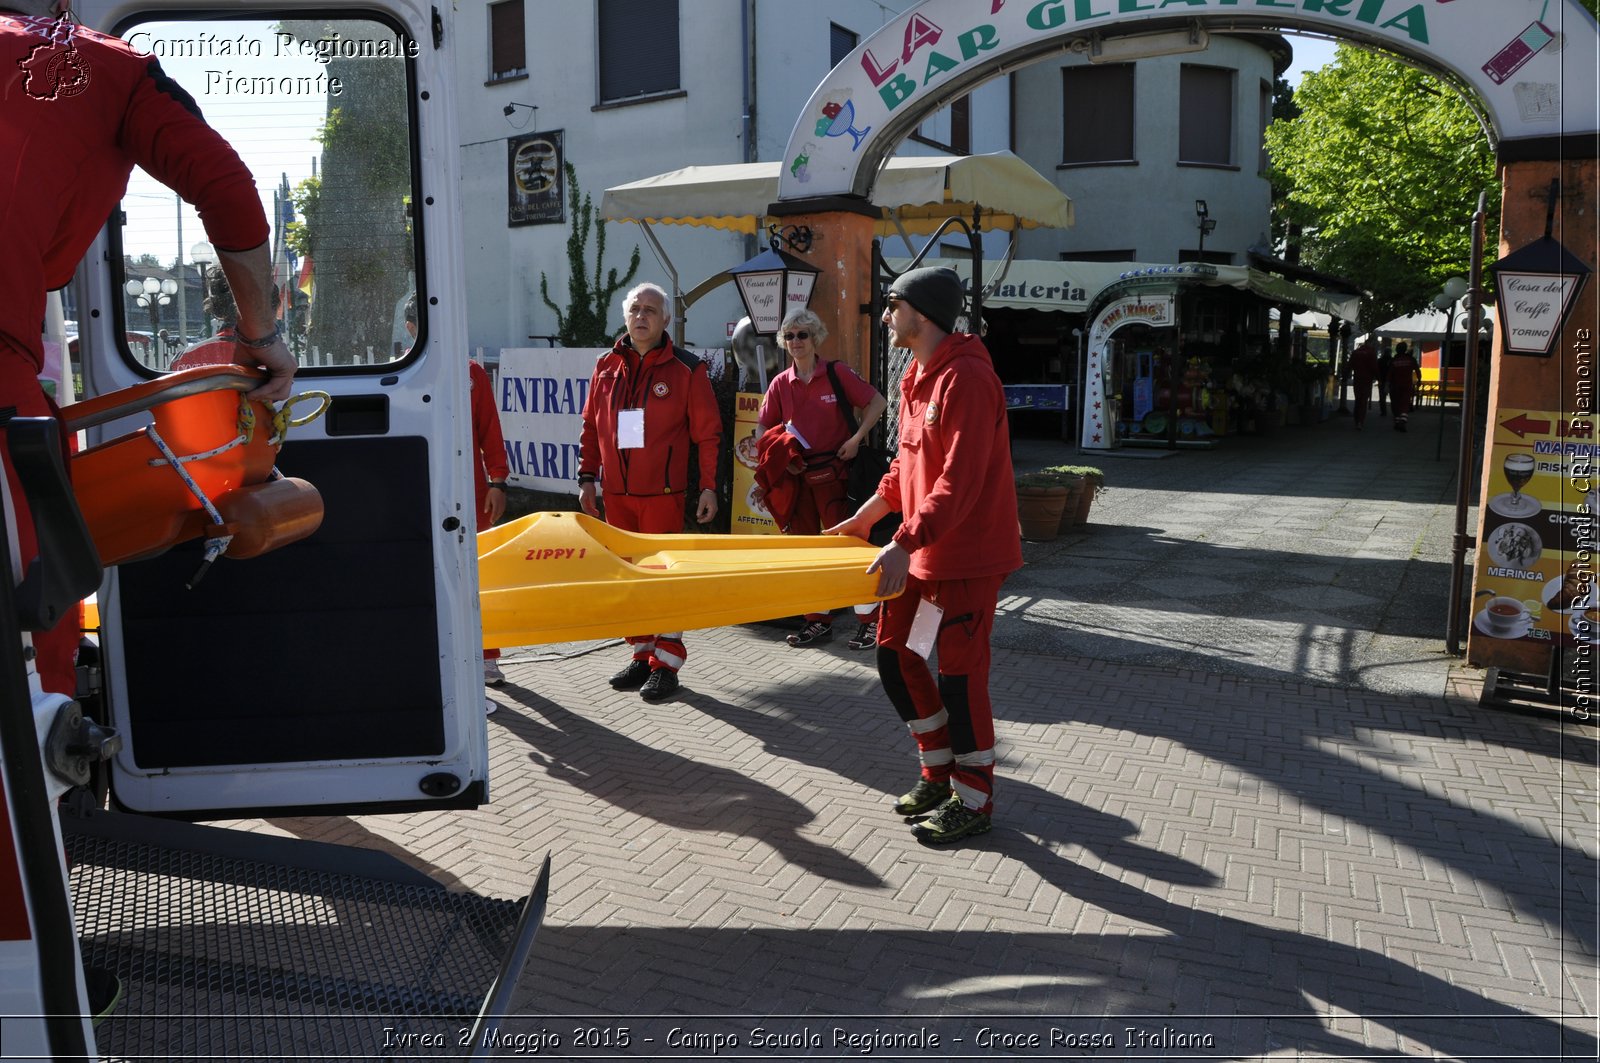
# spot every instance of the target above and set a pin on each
(1504, 615)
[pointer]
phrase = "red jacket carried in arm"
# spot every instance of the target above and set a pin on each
(674, 391)
(952, 476)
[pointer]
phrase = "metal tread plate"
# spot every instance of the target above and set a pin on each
(236, 945)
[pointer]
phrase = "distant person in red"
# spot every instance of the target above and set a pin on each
(490, 467)
(648, 401)
(78, 110)
(1404, 375)
(1363, 371)
(218, 304)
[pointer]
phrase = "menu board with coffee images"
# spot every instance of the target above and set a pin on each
(1536, 555)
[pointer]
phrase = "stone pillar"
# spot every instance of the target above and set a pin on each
(841, 247)
(1563, 382)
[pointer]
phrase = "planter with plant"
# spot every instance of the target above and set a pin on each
(1094, 481)
(1041, 500)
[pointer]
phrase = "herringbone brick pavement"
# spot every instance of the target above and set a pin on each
(1292, 870)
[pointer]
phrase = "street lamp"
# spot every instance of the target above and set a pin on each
(1536, 287)
(772, 284)
(1207, 225)
(205, 256)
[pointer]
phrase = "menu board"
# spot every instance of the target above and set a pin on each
(1536, 556)
(749, 516)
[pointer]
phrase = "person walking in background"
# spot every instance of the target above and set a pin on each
(218, 304)
(1363, 370)
(952, 480)
(648, 401)
(1385, 359)
(805, 399)
(1404, 375)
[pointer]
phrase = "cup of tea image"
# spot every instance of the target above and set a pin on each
(1504, 615)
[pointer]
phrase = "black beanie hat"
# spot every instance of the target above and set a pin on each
(935, 291)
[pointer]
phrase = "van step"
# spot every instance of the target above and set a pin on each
(239, 945)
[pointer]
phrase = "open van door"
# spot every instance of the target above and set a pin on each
(341, 673)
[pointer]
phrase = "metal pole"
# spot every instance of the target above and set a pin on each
(1460, 542)
(183, 307)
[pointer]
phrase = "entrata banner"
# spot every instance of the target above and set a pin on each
(1513, 54)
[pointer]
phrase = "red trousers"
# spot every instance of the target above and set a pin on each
(952, 720)
(651, 515)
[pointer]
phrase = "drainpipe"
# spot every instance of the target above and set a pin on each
(747, 44)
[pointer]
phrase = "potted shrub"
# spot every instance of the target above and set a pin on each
(1094, 481)
(1041, 499)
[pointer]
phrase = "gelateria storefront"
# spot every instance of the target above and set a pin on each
(1183, 355)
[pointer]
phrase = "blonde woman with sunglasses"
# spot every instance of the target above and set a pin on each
(804, 399)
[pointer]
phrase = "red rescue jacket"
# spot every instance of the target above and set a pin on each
(674, 390)
(952, 476)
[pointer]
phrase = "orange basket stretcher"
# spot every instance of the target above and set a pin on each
(204, 467)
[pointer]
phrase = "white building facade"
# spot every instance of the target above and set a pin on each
(635, 88)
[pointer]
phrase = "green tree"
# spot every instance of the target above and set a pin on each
(1381, 171)
(583, 322)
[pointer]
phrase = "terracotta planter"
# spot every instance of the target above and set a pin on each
(1039, 512)
(1085, 500)
(1074, 512)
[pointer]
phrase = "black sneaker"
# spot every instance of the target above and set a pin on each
(922, 797)
(662, 684)
(951, 822)
(814, 632)
(632, 677)
(866, 636)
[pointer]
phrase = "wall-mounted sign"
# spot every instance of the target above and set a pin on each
(534, 185)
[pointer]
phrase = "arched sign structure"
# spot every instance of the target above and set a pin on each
(1527, 66)
(1517, 58)
(1156, 311)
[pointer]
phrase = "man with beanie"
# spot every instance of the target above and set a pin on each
(647, 402)
(952, 481)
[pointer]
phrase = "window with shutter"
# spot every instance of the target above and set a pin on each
(508, 41)
(1097, 114)
(1205, 116)
(638, 48)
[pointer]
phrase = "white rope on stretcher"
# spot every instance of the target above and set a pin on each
(247, 428)
(177, 466)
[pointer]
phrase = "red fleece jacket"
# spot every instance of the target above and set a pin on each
(952, 476)
(674, 391)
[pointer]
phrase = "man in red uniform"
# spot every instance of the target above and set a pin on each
(647, 402)
(952, 480)
(78, 110)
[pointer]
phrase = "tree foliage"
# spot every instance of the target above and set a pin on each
(583, 322)
(1381, 171)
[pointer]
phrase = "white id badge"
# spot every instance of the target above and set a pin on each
(924, 628)
(630, 429)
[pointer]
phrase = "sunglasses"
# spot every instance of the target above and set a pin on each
(790, 337)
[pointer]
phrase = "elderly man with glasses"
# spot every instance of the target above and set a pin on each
(648, 401)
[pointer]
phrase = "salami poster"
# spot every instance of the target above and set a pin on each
(1536, 554)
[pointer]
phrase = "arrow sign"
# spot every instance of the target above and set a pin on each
(1522, 426)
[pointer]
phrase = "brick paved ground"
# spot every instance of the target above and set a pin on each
(1188, 843)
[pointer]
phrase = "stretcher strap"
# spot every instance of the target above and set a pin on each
(169, 458)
